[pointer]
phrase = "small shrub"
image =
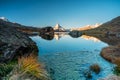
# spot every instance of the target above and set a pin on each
(95, 68)
(117, 68)
(5, 69)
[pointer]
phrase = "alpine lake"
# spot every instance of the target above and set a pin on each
(69, 58)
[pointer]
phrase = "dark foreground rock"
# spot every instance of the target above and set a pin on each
(14, 39)
(14, 43)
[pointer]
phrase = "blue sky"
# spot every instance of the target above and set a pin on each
(68, 13)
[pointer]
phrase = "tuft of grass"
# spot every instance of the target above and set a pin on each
(117, 61)
(117, 68)
(95, 68)
(29, 67)
(5, 69)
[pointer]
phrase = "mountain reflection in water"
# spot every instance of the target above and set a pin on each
(90, 38)
(58, 35)
(69, 58)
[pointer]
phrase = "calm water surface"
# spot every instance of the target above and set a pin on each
(70, 58)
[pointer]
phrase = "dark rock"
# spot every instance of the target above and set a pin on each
(88, 74)
(47, 37)
(13, 42)
(75, 34)
(52, 71)
(47, 33)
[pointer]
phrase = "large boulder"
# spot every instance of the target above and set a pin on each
(14, 43)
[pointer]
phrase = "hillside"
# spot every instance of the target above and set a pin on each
(87, 27)
(112, 26)
(14, 41)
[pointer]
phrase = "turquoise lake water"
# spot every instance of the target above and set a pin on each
(70, 58)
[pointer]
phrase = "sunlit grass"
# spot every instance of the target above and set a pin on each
(117, 61)
(29, 67)
(32, 66)
(117, 68)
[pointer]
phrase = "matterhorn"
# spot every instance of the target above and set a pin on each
(4, 19)
(58, 28)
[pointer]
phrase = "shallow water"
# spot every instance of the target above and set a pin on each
(69, 58)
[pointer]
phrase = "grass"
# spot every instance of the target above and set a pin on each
(29, 66)
(117, 68)
(95, 68)
(117, 61)
(5, 69)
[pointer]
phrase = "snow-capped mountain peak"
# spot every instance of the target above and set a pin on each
(4, 19)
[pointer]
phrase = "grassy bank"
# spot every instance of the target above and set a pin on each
(25, 68)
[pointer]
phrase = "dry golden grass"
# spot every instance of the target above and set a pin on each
(117, 61)
(31, 66)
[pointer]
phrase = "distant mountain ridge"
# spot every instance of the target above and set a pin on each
(14, 39)
(86, 27)
(13, 43)
(4, 19)
(112, 26)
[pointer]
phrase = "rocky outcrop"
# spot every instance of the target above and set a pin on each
(108, 32)
(75, 34)
(111, 53)
(14, 39)
(46, 30)
(14, 43)
(47, 33)
(112, 26)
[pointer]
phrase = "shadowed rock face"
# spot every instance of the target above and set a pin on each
(47, 30)
(75, 34)
(47, 33)
(14, 43)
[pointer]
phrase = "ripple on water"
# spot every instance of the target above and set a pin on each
(73, 66)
